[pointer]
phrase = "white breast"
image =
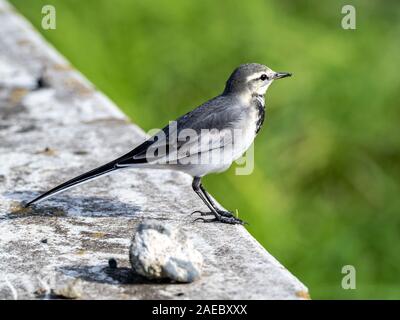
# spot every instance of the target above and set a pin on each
(247, 133)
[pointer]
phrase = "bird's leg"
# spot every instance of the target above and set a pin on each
(196, 185)
(213, 204)
(221, 212)
(196, 188)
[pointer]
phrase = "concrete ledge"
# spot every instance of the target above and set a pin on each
(53, 125)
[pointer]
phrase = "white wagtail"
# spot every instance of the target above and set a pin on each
(231, 121)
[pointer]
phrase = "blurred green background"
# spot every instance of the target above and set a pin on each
(325, 191)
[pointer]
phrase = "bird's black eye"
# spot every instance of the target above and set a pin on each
(264, 77)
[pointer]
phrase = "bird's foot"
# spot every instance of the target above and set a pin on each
(223, 213)
(223, 219)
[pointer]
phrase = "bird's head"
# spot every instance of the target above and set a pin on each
(252, 79)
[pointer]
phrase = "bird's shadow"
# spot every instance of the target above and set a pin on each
(108, 275)
(64, 205)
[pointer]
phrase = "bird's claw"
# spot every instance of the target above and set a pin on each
(222, 219)
(204, 220)
(202, 213)
(227, 214)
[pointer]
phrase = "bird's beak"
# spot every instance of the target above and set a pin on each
(280, 75)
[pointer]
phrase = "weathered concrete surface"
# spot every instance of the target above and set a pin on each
(54, 125)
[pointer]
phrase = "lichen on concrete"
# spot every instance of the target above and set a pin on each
(54, 125)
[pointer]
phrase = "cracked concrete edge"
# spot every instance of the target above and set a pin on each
(83, 231)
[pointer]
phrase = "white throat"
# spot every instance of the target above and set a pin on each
(262, 90)
(247, 97)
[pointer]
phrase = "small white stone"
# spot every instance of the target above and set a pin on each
(159, 251)
(69, 290)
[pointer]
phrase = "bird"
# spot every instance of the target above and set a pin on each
(206, 140)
